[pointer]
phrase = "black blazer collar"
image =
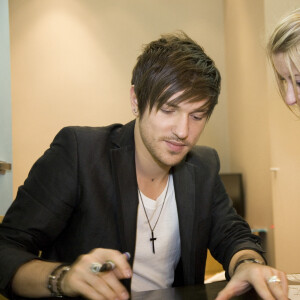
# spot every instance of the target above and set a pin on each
(123, 165)
(184, 185)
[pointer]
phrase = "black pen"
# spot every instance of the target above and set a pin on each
(110, 265)
(107, 266)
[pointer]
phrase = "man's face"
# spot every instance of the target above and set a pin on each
(168, 134)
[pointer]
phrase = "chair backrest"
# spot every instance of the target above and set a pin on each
(233, 183)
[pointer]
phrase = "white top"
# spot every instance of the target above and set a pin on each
(155, 271)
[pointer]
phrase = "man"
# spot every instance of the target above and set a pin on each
(142, 188)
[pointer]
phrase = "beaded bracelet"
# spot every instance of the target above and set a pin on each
(54, 281)
(64, 271)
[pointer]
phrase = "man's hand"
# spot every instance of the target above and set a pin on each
(80, 280)
(249, 275)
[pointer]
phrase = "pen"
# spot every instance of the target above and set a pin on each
(110, 265)
(107, 266)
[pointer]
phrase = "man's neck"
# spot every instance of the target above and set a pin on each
(152, 177)
(152, 188)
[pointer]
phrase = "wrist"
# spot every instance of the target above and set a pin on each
(55, 280)
(247, 261)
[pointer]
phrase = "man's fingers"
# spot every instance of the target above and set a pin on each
(284, 282)
(100, 286)
(122, 267)
(270, 289)
(110, 286)
(86, 278)
(225, 294)
(107, 282)
(249, 276)
(279, 289)
(232, 289)
(89, 292)
(262, 289)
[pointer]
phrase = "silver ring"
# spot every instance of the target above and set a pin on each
(95, 267)
(274, 279)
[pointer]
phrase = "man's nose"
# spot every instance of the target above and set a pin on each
(181, 127)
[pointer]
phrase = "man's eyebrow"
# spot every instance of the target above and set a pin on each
(170, 104)
(201, 109)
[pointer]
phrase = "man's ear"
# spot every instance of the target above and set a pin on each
(133, 101)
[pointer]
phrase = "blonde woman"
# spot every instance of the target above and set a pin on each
(284, 53)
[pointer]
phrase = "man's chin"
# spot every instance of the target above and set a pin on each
(173, 162)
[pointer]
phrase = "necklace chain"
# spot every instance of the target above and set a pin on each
(152, 239)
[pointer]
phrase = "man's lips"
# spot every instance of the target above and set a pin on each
(175, 145)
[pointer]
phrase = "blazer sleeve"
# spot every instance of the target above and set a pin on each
(230, 233)
(42, 206)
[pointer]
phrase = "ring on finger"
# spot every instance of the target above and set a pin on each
(95, 267)
(274, 279)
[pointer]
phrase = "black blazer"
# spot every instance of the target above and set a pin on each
(82, 194)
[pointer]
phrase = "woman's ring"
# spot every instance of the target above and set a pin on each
(274, 279)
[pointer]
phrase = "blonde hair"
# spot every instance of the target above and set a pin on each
(286, 40)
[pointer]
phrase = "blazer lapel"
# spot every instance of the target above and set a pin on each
(123, 163)
(184, 184)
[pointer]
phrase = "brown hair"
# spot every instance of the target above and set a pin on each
(175, 63)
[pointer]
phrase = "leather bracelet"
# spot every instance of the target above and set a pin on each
(246, 261)
(53, 281)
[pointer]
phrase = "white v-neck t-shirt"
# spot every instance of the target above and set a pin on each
(156, 270)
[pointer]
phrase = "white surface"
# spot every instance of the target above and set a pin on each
(294, 292)
(293, 277)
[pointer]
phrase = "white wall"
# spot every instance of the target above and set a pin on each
(72, 63)
(248, 109)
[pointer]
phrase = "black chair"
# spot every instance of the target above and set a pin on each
(234, 186)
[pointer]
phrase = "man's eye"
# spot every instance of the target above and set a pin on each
(197, 118)
(166, 110)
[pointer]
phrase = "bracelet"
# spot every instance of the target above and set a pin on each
(247, 260)
(64, 271)
(54, 281)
